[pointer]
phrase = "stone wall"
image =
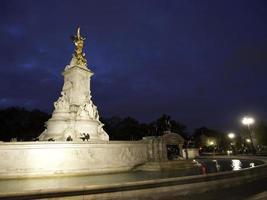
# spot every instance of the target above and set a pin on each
(156, 149)
(192, 153)
(59, 158)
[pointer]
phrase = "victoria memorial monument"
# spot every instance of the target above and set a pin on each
(75, 116)
(74, 141)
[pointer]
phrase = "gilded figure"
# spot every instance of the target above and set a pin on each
(79, 43)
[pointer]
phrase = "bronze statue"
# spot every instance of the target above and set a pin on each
(79, 43)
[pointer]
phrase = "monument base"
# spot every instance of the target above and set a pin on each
(60, 130)
(39, 159)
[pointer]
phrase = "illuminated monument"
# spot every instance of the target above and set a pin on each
(75, 116)
(74, 121)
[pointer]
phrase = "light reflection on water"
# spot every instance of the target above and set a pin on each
(252, 164)
(236, 165)
(17, 185)
(221, 165)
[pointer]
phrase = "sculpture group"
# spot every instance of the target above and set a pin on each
(75, 116)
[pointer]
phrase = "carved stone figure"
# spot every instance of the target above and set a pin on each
(70, 132)
(62, 103)
(85, 136)
(95, 113)
(87, 111)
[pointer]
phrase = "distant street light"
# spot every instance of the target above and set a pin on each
(231, 135)
(248, 140)
(211, 143)
(249, 121)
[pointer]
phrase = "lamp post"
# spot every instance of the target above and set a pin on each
(231, 136)
(212, 144)
(249, 121)
(248, 140)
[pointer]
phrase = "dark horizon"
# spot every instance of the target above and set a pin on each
(203, 63)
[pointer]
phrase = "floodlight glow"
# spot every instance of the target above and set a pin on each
(248, 140)
(211, 142)
(248, 120)
(231, 135)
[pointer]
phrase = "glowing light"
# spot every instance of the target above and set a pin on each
(248, 121)
(211, 142)
(252, 165)
(248, 140)
(231, 135)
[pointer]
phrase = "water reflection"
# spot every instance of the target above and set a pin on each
(236, 165)
(221, 165)
(202, 166)
(252, 165)
(217, 166)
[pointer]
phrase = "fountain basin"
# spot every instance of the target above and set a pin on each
(139, 185)
(40, 159)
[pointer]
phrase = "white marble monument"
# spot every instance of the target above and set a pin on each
(75, 117)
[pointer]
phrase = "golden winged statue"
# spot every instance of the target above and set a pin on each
(79, 43)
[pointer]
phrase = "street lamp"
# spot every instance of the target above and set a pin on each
(249, 121)
(212, 143)
(248, 140)
(231, 136)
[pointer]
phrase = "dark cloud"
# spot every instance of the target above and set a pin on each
(203, 62)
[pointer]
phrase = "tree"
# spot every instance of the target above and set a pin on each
(260, 131)
(203, 135)
(124, 129)
(179, 128)
(165, 123)
(16, 122)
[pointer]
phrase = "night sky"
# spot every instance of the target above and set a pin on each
(202, 62)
